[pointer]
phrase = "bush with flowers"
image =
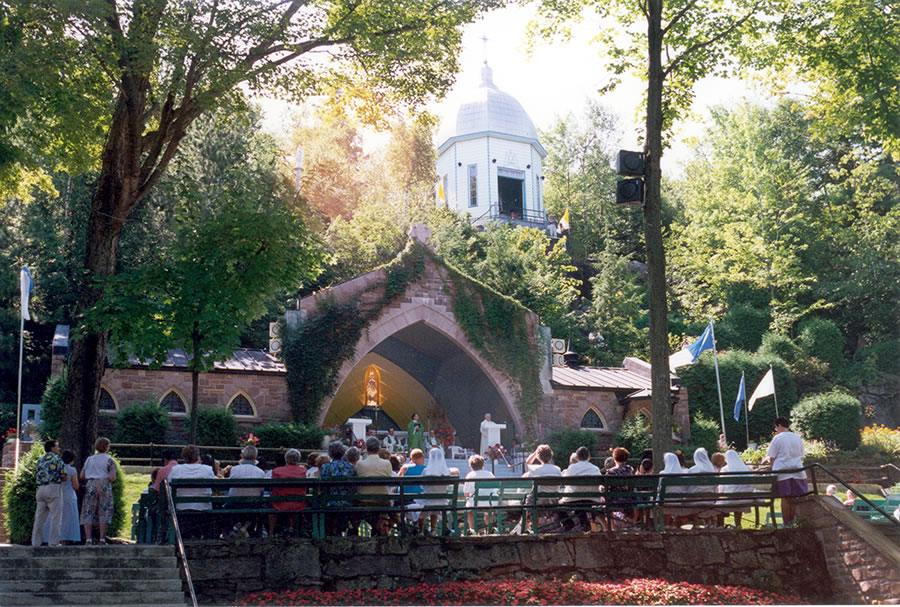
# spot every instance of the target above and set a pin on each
(882, 439)
(533, 592)
(248, 439)
(10, 433)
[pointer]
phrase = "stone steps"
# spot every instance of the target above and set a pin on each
(90, 575)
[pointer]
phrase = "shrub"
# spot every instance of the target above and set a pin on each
(822, 338)
(704, 433)
(833, 416)
(776, 344)
(19, 498)
(882, 440)
(564, 442)
(7, 416)
(52, 402)
(700, 380)
(743, 327)
(297, 436)
(142, 423)
(215, 427)
(634, 435)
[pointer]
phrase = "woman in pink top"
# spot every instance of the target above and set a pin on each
(291, 469)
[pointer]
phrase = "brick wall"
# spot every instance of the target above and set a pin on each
(863, 563)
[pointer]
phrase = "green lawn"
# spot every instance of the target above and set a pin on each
(134, 486)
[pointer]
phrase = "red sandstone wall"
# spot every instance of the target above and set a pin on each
(268, 392)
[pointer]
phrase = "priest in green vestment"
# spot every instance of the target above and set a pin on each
(415, 436)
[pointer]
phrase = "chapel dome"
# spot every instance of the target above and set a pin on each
(488, 109)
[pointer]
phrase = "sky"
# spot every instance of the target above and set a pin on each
(557, 78)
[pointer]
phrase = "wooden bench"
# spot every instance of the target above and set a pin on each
(709, 502)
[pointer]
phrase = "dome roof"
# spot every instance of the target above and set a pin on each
(488, 109)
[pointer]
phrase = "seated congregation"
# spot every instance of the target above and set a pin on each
(345, 492)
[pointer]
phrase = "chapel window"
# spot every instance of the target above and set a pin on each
(240, 405)
(173, 403)
(106, 401)
(591, 420)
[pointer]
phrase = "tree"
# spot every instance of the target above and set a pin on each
(699, 38)
(849, 51)
(235, 240)
(163, 63)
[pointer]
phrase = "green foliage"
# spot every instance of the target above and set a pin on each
(700, 380)
(821, 338)
(7, 416)
(142, 423)
(742, 327)
(290, 436)
(314, 351)
(634, 435)
(216, 427)
(782, 346)
(121, 510)
(52, 403)
(832, 416)
(19, 500)
(704, 433)
(564, 442)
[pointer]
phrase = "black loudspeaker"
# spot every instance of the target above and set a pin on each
(630, 191)
(630, 164)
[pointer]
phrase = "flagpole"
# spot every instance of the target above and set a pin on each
(19, 399)
(746, 411)
(774, 395)
(718, 381)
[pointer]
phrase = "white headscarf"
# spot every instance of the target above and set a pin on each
(734, 463)
(701, 462)
(437, 465)
(672, 465)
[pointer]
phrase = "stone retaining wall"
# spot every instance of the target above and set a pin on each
(791, 560)
(863, 562)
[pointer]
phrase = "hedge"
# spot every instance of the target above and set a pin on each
(821, 338)
(19, 500)
(287, 436)
(142, 423)
(832, 416)
(634, 435)
(700, 380)
(215, 427)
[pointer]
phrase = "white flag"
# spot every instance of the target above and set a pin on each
(766, 387)
(27, 287)
(679, 359)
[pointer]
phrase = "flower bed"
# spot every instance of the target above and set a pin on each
(530, 592)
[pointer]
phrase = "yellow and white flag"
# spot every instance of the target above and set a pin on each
(564, 222)
(440, 193)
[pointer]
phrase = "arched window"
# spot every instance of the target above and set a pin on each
(241, 405)
(173, 403)
(592, 420)
(107, 402)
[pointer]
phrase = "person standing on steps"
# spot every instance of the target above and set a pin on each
(50, 474)
(786, 453)
(99, 472)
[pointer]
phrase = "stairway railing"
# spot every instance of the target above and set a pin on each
(180, 543)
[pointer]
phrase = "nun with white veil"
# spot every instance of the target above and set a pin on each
(436, 466)
(734, 463)
(671, 465)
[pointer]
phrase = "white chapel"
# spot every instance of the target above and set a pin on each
(490, 160)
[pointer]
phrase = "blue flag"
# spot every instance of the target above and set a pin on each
(704, 343)
(741, 397)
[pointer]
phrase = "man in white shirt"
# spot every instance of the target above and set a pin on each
(581, 467)
(246, 468)
(476, 463)
(785, 452)
(191, 514)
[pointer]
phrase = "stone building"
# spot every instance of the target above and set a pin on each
(424, 362)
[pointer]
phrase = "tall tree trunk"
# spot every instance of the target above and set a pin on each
(195, 384)
(115, 196)
(656, 259)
